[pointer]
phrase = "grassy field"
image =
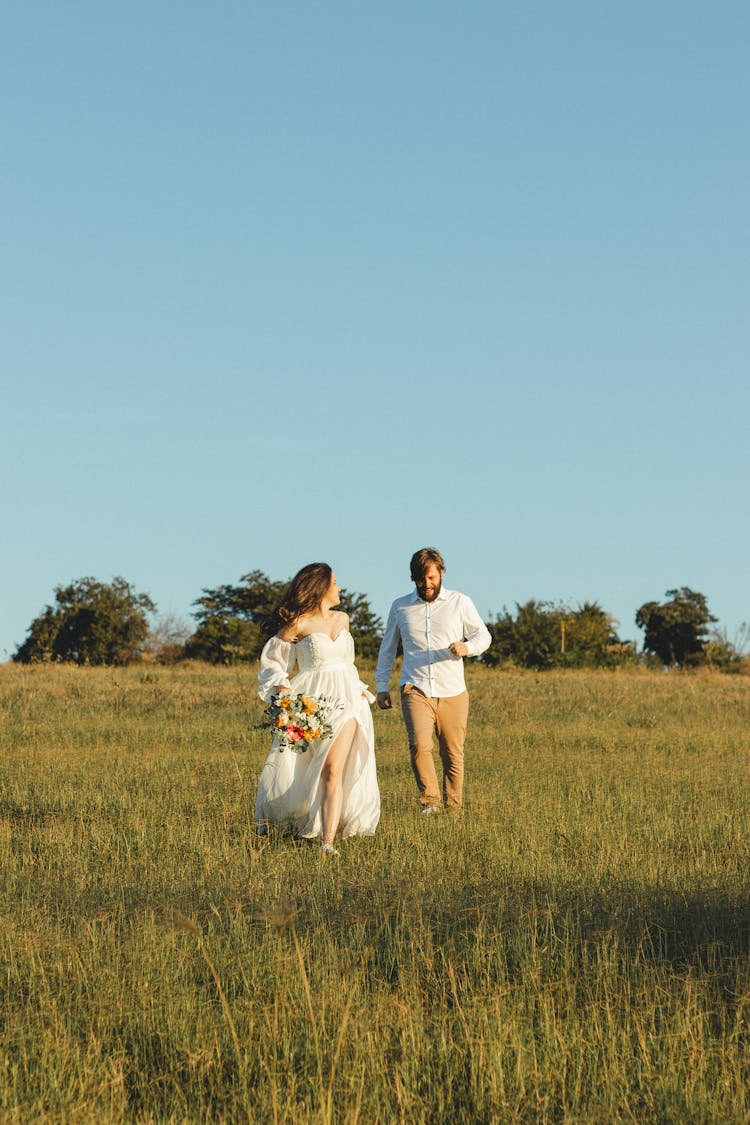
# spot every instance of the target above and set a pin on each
(575, 949)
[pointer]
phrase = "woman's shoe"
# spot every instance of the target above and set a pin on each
(328, 849)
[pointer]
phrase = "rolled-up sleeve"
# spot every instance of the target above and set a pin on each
(275, 670)
(477, 637)
(387, 653)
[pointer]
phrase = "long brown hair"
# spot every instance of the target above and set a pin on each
(305, 592)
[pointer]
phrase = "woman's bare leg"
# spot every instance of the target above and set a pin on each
(331, 780)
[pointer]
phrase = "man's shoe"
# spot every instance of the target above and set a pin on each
(430, 810)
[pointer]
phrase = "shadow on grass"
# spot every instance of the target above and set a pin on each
(705, 928)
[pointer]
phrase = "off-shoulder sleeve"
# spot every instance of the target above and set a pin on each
(276, 662)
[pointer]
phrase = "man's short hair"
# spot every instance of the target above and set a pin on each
(423, 559)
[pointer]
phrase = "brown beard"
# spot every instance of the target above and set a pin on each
(433, 595)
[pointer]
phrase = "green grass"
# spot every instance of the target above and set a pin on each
(575, 949)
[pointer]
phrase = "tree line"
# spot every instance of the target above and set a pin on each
(99, 623)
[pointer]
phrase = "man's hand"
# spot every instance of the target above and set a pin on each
(459, 649)
(384, 700)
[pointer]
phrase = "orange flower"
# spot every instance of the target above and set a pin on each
(310, 705)
(311, 735)
(281, 721)
(285, 702)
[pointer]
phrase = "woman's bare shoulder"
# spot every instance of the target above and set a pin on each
(288, 632)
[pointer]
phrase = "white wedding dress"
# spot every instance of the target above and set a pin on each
(289, 787)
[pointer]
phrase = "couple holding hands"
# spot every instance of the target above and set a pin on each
(332, 786)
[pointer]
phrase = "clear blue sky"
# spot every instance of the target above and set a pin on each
(286, 281)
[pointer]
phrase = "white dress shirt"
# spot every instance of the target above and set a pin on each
(426, 629)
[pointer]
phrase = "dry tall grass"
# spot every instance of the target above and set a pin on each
(575, 949)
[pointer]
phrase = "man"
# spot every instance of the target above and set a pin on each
(437, 628)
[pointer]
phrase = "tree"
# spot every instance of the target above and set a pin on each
(529, 640)
(234, 622)
(365, 626)
(254, 599)
(720, 654)
(591, 639)
(225, 640)
(675, 631)
(725, 655)
(546, 635)
(91, 623)
(165, 643)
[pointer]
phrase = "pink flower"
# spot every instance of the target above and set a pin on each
(294, 733)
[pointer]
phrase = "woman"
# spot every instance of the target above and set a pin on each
(333, 784)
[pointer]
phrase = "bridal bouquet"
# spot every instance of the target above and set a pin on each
(298, 720)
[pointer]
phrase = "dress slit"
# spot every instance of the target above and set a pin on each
(290, 785)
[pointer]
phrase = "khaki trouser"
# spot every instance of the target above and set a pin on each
(447, 718)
